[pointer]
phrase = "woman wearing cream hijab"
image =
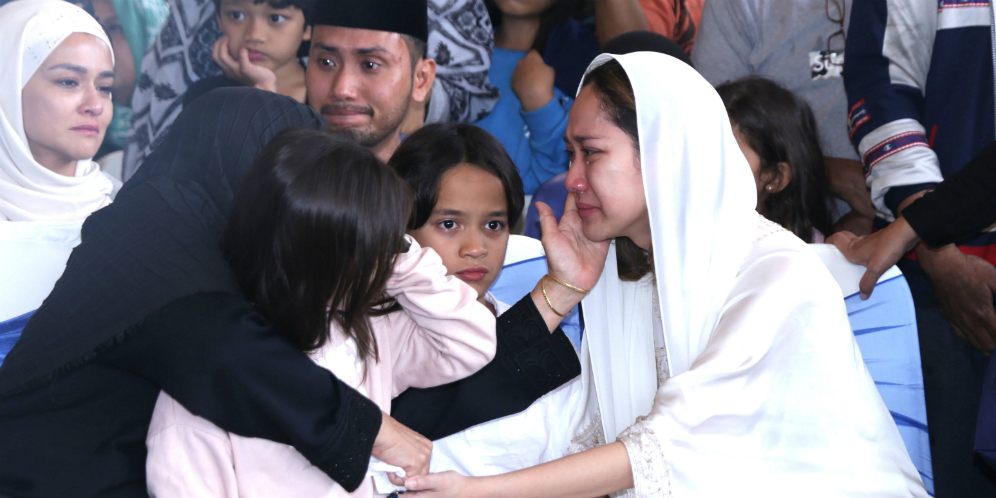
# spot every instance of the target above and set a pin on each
(55, 106)
(717, 358)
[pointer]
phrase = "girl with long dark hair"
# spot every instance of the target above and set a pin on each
(316, 239)
(467, 195)
(777, 133)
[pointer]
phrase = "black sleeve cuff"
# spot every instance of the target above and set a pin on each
(960, 207)
(348, 454)
(896, 195)
(542, 360)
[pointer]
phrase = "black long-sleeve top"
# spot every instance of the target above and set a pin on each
(222, 361)
(529, 362)
(84, 433)
(961, 206)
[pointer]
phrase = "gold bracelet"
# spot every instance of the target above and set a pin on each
(548, 303)
(569, 286)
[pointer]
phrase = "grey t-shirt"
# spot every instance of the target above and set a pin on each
(780, 40)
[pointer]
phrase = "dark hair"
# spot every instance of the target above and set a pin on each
(416, 49)
(305, 6)
(644, 41)
(780, 127)
(426, 155)
(618, 102)
(557, 13)
(312, 236)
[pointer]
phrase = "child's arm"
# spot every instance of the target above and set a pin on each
(443, 333)
(188, 456)
(545, 110)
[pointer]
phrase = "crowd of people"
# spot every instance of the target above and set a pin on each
(252, 247)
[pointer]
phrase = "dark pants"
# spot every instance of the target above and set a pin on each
(953, 372)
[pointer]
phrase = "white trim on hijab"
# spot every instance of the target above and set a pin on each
(29, 31)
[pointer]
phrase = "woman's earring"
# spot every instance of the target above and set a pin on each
(770, 188)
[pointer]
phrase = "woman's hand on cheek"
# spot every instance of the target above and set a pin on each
(443, 485)
(571, 256)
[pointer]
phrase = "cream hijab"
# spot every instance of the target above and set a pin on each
(701, 236)
(29, 31)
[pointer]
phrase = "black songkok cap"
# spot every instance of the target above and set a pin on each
(407, 17)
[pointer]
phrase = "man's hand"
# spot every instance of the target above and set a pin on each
(243, 70)
(847, 181)
(532, 82)
(965, 286)
(401, 446)
(878, 251)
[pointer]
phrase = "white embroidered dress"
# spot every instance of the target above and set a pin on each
(761, 389)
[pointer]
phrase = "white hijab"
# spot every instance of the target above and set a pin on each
(687, 129)
(29, 31)
(767, 385)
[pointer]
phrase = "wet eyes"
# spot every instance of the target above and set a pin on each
(584, 152)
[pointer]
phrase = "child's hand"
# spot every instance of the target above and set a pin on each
(446, 484)
(243, 70)
(532, 82)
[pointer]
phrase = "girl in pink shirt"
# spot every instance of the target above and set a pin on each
(317, 240)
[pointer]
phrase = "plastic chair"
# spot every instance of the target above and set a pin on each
(525, 264)
(554, 194)
(10, 332)
(885, 329)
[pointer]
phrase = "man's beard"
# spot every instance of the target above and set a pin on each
(373, 134)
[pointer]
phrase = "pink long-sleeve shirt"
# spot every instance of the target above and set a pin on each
(442, 334)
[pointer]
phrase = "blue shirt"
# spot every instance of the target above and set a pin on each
(534, 140)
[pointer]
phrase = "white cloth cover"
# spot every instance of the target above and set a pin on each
(29, 31)
(33, 256)
(767, 392)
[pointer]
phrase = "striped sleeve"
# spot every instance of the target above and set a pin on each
(889, 44)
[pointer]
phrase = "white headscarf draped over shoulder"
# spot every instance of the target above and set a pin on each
(686, 143)
(767, 392)
(29, 31)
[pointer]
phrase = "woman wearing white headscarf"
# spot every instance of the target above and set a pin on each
(55, 98)
(717, 358)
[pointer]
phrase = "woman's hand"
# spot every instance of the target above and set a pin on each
(443, 485)
(570, 255)
(398, 445)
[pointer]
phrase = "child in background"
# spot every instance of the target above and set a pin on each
(531, 115)
(467, 194)
(777, 133)
(259, 47)
(316, 241)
